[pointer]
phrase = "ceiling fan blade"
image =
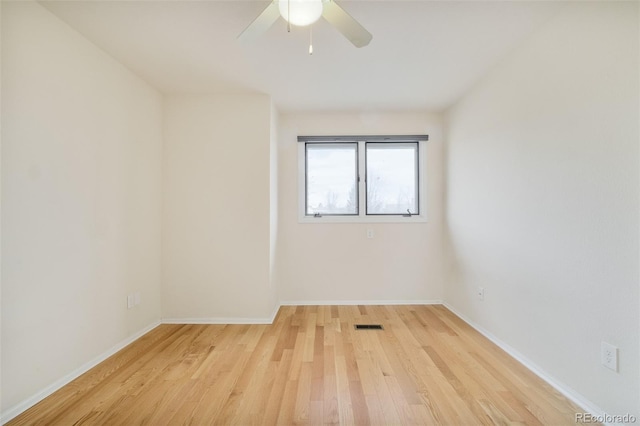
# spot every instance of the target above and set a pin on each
(262, 23)
(349, 27)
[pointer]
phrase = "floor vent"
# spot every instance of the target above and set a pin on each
(368, 327)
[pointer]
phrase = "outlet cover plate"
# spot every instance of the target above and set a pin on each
(480, 293)
(609, 356)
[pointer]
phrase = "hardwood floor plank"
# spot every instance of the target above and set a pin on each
(317, 374)
(303, 394)
(374, 410)
(287, 406)
(251, 378)
(275, 394)
(309, 338)
(461, 389)
(311, 366)
(316, 413)
(330, 387)
(345, 407)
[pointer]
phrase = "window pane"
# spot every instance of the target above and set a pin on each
(392, 178)
(332, 178)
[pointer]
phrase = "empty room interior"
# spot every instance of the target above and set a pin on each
(202, 200)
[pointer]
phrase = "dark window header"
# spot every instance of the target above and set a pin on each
(367, 138)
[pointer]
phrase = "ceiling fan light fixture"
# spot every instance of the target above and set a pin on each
(303, 12)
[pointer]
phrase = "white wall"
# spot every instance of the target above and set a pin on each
(216, 209)
(81, 175)
(542, 206)
(336, 262)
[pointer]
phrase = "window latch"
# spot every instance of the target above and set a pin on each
(317, 215)
(408, 213)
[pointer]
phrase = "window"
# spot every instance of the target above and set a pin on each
(392, 178)
(361, 178)
(331, 179)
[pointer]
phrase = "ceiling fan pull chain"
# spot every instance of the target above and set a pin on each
(288, 16)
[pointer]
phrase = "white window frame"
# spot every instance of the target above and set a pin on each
(362, 217)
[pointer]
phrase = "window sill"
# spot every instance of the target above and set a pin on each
(362, 219)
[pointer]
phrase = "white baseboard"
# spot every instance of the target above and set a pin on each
(224, 320)
(565, 390)
(31, 401)
(274, 314)
(358, 302)
(217, 320)
(269, 320)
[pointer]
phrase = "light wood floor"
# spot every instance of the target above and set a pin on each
(427, 367)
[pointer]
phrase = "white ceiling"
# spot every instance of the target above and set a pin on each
(424, 54)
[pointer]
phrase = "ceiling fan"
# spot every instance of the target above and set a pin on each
(305, 12)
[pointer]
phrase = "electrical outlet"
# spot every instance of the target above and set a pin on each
(609, 356)
(480, 293)
(370, 233)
